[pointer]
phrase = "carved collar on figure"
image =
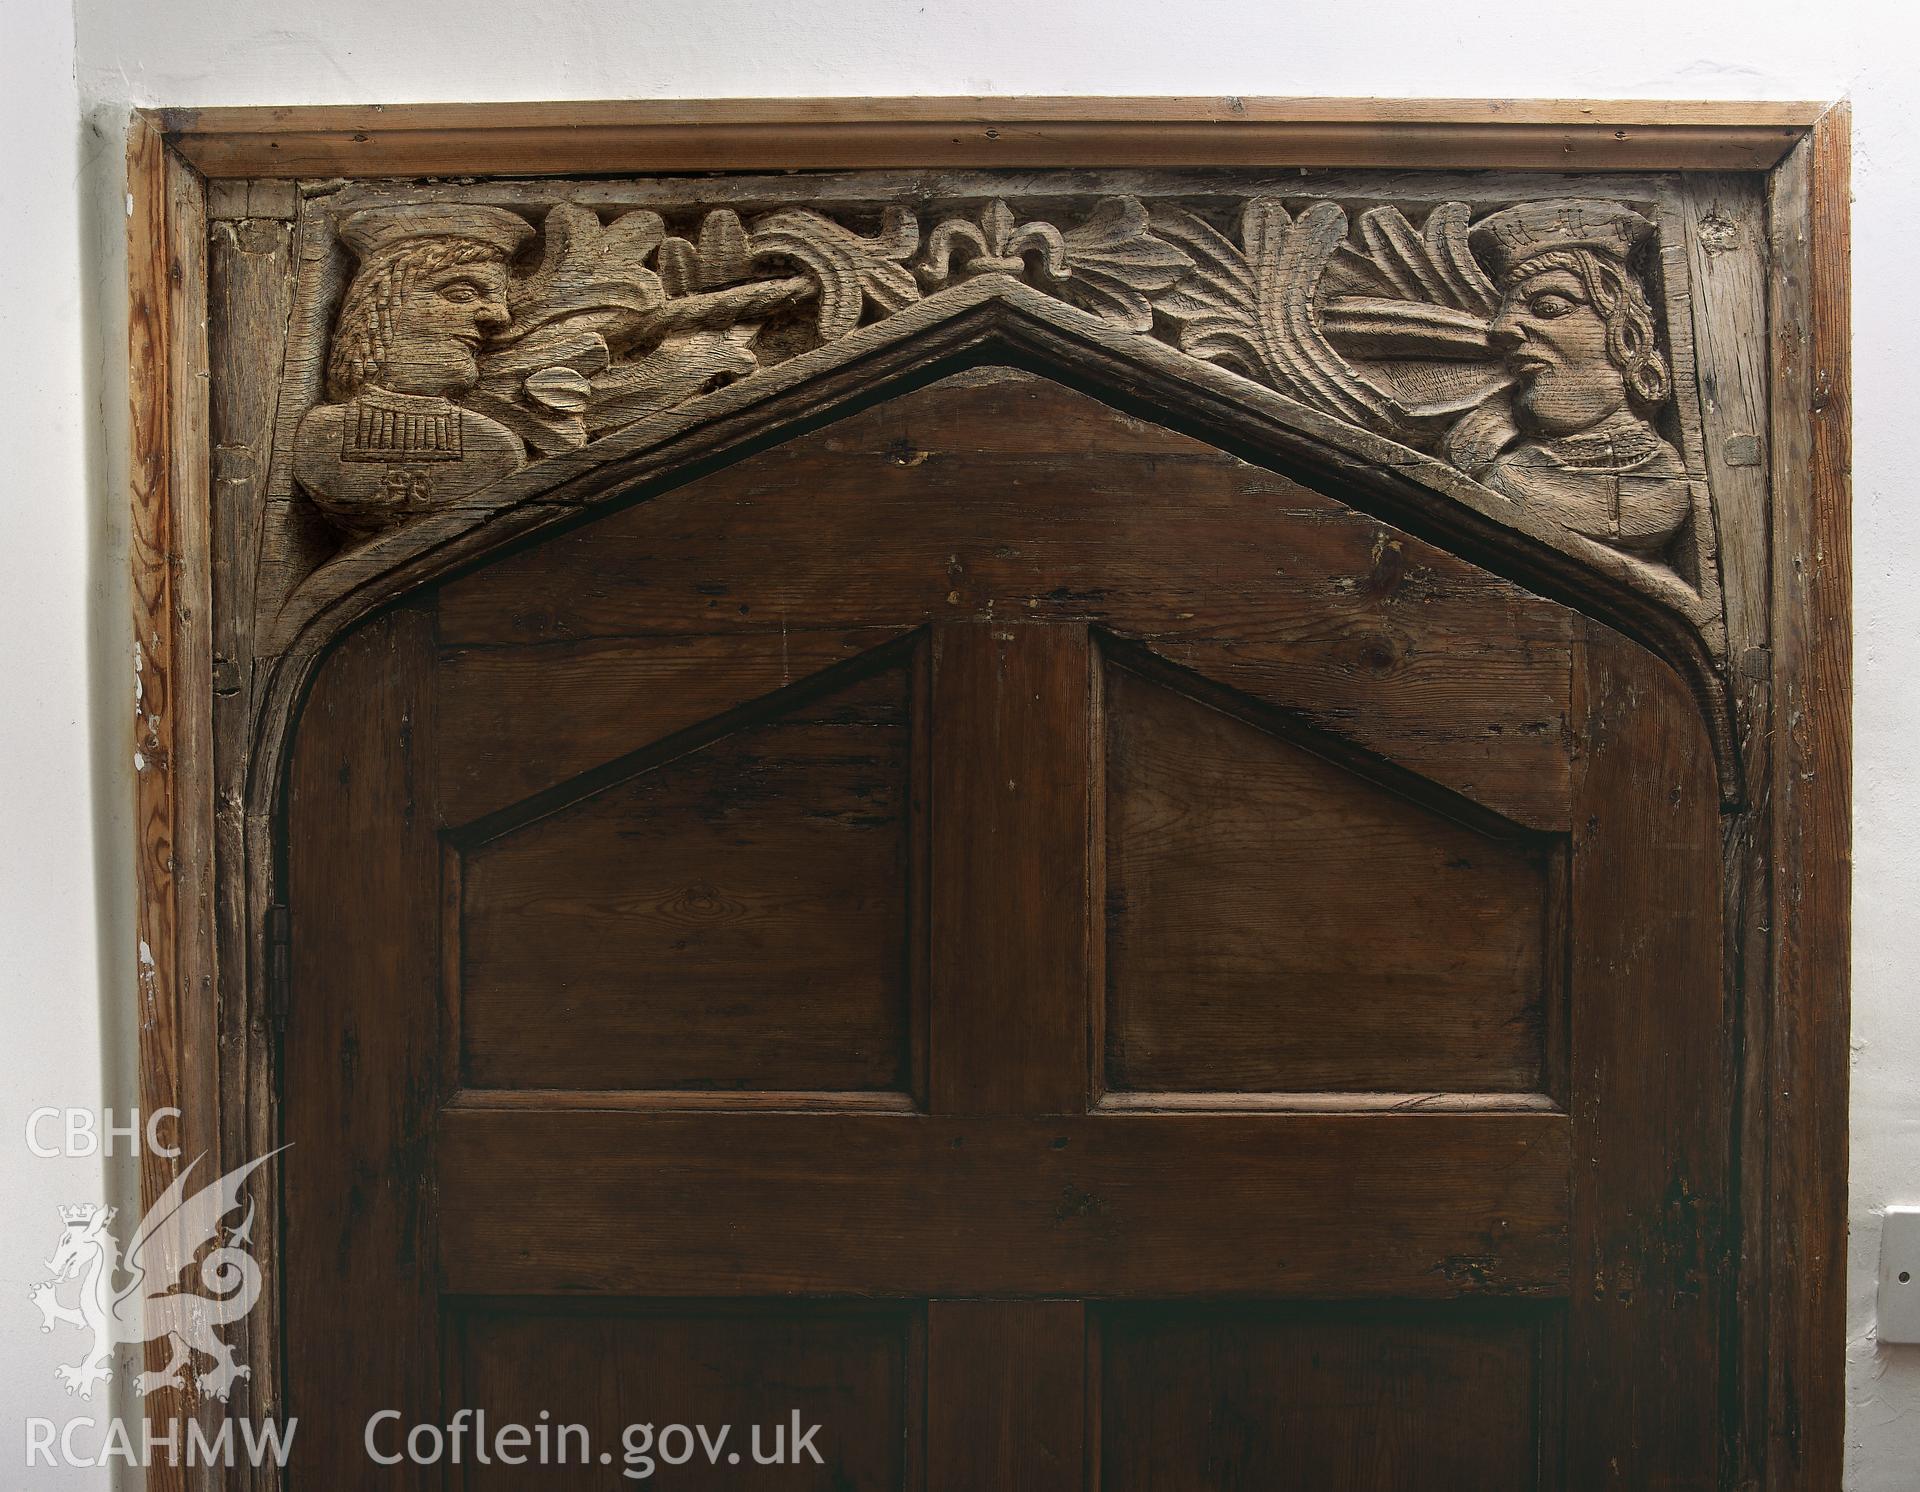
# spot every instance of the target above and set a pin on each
(1621, 442)
(381, 425)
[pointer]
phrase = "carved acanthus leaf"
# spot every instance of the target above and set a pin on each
(852, 272)
(593, 276)
(1252, 305)
(684, 364)
(721, 257)
(1433, 266)
(1439, 336)
(1411, 310)
(590, 298)
(1117, 265)
(599, 339)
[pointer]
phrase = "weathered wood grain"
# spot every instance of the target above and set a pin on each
(614, 696)
(150, 350)
(1306, 1400)
(1727, 247)
(151, 347)
(736, 916)
(1276, 922)
(1652, 1085)
(172, 670)
(736, 134)
(1792, 1150)
(1015, 498)
(362, 1081)
(1006, 1396)
(1009, 802)
(998, 1175)
(430, 417)
(1807, 1058)
(1039, 189)
(249, 287)
(242, 199)
(993, 318)
(913, 1205)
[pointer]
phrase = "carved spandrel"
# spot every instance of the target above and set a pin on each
(1522, 347)
(397, 437)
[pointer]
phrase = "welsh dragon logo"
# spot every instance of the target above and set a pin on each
(135, 1299)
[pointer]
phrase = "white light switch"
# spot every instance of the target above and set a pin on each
(1900, 1276)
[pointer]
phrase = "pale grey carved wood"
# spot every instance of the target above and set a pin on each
(290, 576)
(1522, 348)
(1488, 355)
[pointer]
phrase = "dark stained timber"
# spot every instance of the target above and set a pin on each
(1009, 784)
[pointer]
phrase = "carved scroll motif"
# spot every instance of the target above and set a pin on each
(1522, 349)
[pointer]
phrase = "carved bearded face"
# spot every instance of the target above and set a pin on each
(415, 317)
(1555, 342)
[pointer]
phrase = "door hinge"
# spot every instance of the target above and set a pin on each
(279, 959)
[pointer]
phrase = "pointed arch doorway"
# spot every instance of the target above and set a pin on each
(1188, 739)
(1030, 943)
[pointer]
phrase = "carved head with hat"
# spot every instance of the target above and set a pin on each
(1574, 323)
(431, 286)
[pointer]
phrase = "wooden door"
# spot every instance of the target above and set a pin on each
(1060, 956)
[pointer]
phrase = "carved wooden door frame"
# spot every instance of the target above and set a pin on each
(1776, 687)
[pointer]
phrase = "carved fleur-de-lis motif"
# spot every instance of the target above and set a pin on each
(1417, 332)
(997, 244)
(1111, 263)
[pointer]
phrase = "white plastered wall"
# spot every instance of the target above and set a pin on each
(65, 924)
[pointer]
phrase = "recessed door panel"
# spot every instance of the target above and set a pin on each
(821, 1396)
(729, 911)
(1293, 1400)
(1279, 919)
(1078, 961)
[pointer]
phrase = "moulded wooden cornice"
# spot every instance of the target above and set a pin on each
(658, 135)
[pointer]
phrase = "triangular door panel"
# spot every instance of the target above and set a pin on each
(733, 917)
(1281, 921)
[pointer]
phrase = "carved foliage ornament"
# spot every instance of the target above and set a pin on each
(1522, 349)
